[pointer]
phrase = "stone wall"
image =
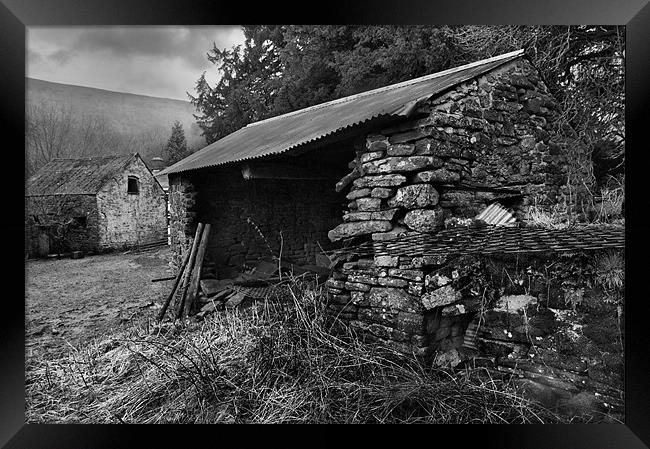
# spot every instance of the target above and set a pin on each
(128, 219)
(493, 138)
(253, 219)
(182, 216)
(44, 213)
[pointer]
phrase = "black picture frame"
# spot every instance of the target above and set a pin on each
(16, 15)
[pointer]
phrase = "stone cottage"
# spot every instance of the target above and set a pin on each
(388, 183)
(93, 204)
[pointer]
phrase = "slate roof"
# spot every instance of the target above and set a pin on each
(284, 132)
(496, 240)
(84, 176)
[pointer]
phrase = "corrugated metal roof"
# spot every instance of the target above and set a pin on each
(496, 214)
(281, 133)
(84, 176)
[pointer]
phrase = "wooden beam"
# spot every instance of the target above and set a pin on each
(277, 170)
(196, 272)
(188, 270)
(161, 314)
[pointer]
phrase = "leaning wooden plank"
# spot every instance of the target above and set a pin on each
(196, 272)
(161, 314)
(188, 271)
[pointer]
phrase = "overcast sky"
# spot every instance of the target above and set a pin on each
(161, 61)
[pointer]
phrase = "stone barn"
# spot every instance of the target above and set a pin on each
(389, 184)
(93, 204)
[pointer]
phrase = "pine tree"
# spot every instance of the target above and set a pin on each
(176, 148)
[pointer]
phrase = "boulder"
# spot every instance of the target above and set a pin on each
(414, 196)
(441, 297)
(424, 220)
(357, 228)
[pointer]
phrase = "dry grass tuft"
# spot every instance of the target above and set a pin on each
(276, 363)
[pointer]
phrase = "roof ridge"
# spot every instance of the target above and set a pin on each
(110, 156)
(393, 86)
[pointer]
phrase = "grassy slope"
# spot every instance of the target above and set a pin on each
(129, 114)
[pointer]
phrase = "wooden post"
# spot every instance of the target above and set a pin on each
(161, 314)
(196, 272)
(188, 270)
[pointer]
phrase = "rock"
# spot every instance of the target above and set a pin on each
(441, 297)
(414, 196)
(410, 275)
(377, 146)
(436, 280)
(371, 156)
(461, 307)
(396, 233)
(447, 359)
(335, 284)
(381, 192)
(424, 220)
(357, 286)
(357, 228)
(368, 204)
(387, 214)
(391, 180)
(441, 175)
(357, 216)
(514, 303)
(386, 261)
(401, 164)
(358, 193)
(394, 299)
(347, 179)
(401, 150)
(392, 282)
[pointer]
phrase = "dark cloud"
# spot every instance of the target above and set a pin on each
(188, 44)
(60, 56)
(34, 57)
(163, 61)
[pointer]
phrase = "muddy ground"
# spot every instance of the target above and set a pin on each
(68, 301)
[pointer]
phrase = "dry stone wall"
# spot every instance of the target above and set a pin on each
(254, 219)
(465, 147)
(494, 138)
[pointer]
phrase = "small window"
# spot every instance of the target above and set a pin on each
(133, 186)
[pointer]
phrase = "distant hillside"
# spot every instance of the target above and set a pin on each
(129, 115)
